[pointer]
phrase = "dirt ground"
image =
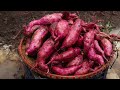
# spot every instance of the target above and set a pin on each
(11, 23)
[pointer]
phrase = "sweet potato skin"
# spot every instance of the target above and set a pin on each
(44, 52)
(46, 49)
(65, 71)
(107, 46)
(37, 40)
(99, 49)
(95, 57)
(84, 68)
(62, 29)
(88, 39)
(76, 61)
(40, 63)
(73, 34)
(79, 42)
(66, 56)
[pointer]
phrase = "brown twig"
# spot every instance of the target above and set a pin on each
(17, 34)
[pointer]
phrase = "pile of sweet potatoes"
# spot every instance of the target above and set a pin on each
(64, 44)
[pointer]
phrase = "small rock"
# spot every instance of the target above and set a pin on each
(3, 56)
(13, 56)
(112, 74)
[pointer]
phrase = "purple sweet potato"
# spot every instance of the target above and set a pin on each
(46, 49)
(44, 52)
(107, 46)
(95, 57)
(80, 41)
(62, 29)
(37, 40)
(73, 34)
(76, 61)
(40, 63)
(66, 55)
(99, 49)
(47, 19)
(88, 39)
(85, 67)
(65, 71)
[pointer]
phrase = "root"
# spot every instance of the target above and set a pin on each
(105, 57)
(104, 34)
(17, 34)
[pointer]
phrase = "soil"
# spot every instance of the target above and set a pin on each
(11, 22)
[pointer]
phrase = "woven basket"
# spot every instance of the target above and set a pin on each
(30, 63)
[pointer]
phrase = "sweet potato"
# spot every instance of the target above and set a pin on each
(95, 57)
(99, 59)
(37, 40)
(107, 46)
(62, 29)
(65, 71)
(47, 19)
(66, 56)
(46, 49)
(99, 49)
(55, 62)
(73, 34)
(85, 67)
(76, 61)
(91, 53)
(44, 52)
(80, 41)
(88, 39)
(40, 63)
